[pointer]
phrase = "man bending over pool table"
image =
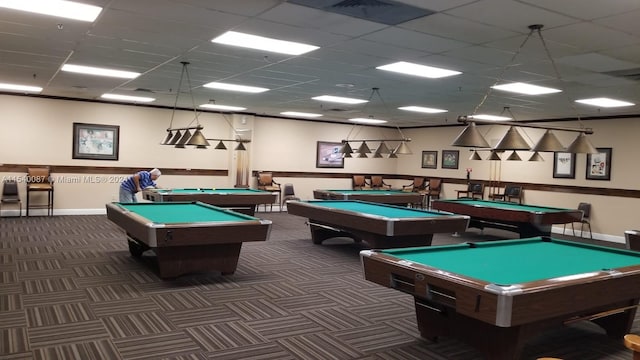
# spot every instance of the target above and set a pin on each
(136, 182)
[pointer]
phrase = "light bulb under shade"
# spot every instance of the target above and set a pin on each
(548, 142)
(475, 156)
(403, 149)
(167, 138)
(183, 140)
(346, 148)
(536, 157)
(363, 148)
(377, 154)
(582, 145)
(512, 140)
(383, 148)
(198, 139)
(471, 137)
(514, 157)
(347, 155)
(494, 156)
(362, 155)
(220, 146)
(392, 155)
(240, 147)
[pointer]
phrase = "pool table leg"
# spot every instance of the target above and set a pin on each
(496, 343)
(320, 233)
(174, 261)
(619, 324)
(135, 248)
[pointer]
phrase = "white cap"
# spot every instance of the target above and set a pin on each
(155, 172)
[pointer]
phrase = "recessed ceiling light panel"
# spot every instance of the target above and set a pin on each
(368, 121)
(263, 43)
(301, 114)
(234, 87)
(339, 99)
(605, 102)
(222, 107)
(20, 88)
(408, 68)
(88, 70)
(422, 109)
(127, 98)
(526, 89)
(59, 8)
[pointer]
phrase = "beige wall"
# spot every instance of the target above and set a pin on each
(39, 131)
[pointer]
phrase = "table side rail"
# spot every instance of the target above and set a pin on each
(509, 215)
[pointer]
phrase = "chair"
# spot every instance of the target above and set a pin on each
(418, 184)
(266, 183)
(512, 193)
(632, 239)
(632, 342)
(377, 182)
(288, 194)
(475, 190)
(39, 180)
(10, 195)
(359, 182)
(586, 213)
(433, 191)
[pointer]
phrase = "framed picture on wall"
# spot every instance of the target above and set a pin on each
(450, 159)
(599, 165)
(429, 159)
(95, 142)
(328, 155)
(564, 165)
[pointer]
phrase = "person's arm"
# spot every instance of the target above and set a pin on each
(136, 181)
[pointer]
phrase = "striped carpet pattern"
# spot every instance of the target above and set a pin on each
(69, 289)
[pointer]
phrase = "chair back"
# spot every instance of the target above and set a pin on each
(512, 191)
(476, 188)
(377, 182)
(435, 185)
(10, 191)
(586, 209)
(288, 190)
(419, 184)
(359, 182)
(39, 179)
(265, 179)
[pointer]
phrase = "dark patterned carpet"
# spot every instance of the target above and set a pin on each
(69, 289)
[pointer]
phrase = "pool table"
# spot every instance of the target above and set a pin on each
(394, 197)
(187, 237)
(497, 295)
(526, 220)
(238, 199)
(380, 225)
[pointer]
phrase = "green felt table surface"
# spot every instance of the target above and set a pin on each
(389, 211)
(177, 212)
(210, 191)
(519, 261)
(505, 205)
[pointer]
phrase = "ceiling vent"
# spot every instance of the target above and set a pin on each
(629, 74)
(386, 12)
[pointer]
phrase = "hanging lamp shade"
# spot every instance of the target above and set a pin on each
(475, 156)
(377, 154)
(363, 149)
(175, 138)
(392, 154)
(167, 138)
(548, 142)
(494, 155)
(346, 148)
(471, 137)
(512, 140)
(220, 146)
(183, 140)
(536, 157)
(514, 156)
(362, 155)
(403, 149)
(201, 146)
(582, 145)
(240, 147)
(383, 148)
(347, 155)
(198, 139)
